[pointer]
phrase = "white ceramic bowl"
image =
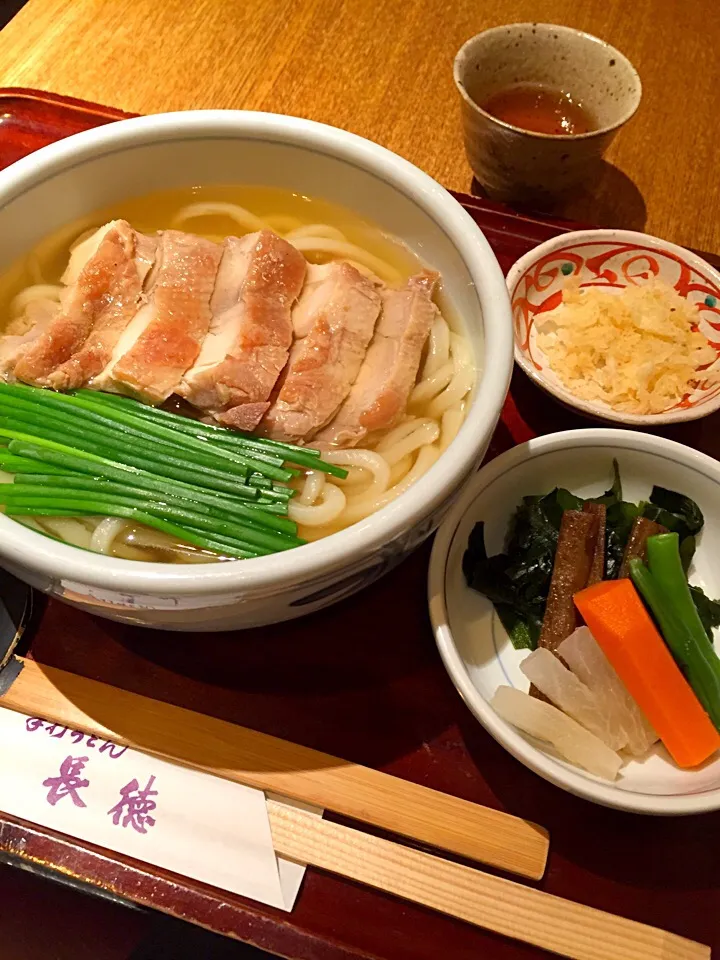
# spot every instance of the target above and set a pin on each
(472, 642)
(76, 176)
(610, 260)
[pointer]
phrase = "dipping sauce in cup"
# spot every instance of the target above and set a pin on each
(540, 104)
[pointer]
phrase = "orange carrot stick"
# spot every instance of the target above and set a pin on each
(629, 639)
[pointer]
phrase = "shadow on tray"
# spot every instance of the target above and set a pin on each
(173, 939)
(540, 413)
(611, 199)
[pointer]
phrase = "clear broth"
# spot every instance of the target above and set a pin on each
(47, 261)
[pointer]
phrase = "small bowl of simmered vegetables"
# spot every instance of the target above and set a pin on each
(575, 598)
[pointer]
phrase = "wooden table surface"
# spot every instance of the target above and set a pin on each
(383, 69)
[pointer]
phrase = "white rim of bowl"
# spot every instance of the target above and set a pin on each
(585, 406)
(27, 548)
(534, 758)
(465, 50)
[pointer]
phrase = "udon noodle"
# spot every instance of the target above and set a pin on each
(388, 463)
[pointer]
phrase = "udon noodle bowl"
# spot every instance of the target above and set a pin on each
(380, 467)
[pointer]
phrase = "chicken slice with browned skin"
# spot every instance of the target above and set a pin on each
(81, 252)
(104, 292)
(260, 278)
(97, 351)
(21, 333)
(166, 335)
(380, 394)
(333, 321)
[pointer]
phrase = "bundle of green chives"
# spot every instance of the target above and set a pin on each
(303, 456)
(93, 454)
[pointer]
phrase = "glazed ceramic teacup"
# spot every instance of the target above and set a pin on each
(513, 164)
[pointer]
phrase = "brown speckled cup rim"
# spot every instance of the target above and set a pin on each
(613, 53)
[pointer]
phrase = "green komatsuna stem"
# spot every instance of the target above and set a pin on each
(665, 564)
(696, 659)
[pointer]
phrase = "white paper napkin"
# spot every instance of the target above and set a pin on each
(191, 823)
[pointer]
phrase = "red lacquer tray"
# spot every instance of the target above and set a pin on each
(363, 680)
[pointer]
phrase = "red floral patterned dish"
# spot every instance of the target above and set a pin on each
(611, 260)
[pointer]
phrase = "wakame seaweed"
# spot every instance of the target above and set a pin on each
(677, 511)
(708, 610)
(517, 581)
(516, 587)
(678, 514)
(619, 518)
(618, 524)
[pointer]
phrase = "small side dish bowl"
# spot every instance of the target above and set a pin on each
(473, 644)
(611, 260)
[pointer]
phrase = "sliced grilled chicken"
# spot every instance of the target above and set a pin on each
(87, 248)
(165, 336)
(260, 278)
(104, 293)
(333, 322)
(97, 351)
(379, 396)
(23, 331)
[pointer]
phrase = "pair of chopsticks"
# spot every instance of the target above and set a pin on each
(368, 796)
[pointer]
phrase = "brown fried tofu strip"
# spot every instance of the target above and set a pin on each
(571, 571)
(597, 567)
(636, 547)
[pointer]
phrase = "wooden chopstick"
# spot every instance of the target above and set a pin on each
(523, 913)
(268, 763)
